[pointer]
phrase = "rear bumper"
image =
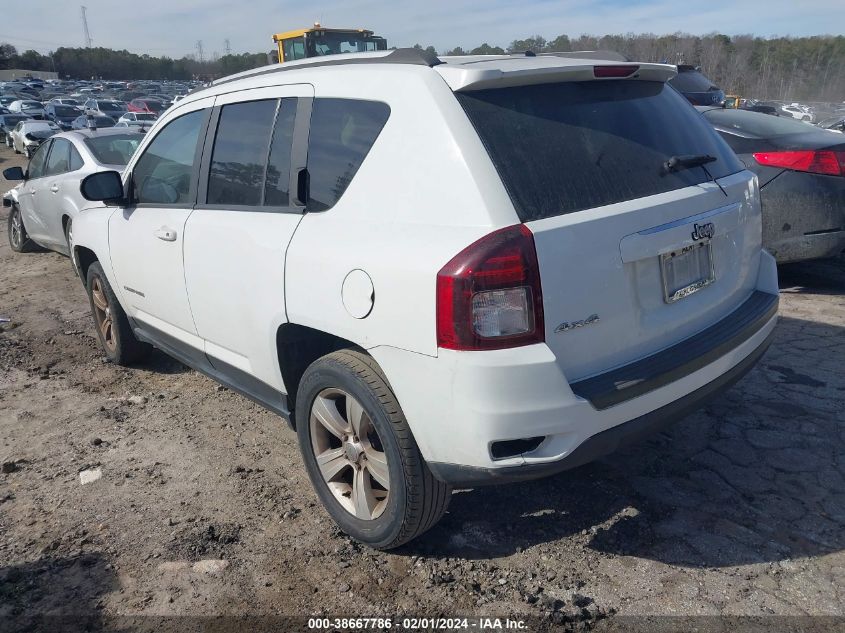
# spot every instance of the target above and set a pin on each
(605, 442)
(803, 216)
(466, 407)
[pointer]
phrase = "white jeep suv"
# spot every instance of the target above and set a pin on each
(442, 272)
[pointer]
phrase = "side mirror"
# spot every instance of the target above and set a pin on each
(14, 173)
(104, 186)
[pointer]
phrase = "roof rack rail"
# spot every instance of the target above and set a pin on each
(612, 56)
(412, 56)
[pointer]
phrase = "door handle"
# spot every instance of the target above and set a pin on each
(32, 191)
(166, 234)
(54, 188)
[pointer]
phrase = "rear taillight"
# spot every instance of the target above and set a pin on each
(489, 295)
(614, 71)
(814, 161)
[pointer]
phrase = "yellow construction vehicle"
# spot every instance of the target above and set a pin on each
(318, 41)
(732, 101)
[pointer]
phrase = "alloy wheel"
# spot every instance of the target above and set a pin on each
(103, 314)
(349, 454)
(16, 229)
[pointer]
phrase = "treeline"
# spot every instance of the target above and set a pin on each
(804, 69)
(105, 63)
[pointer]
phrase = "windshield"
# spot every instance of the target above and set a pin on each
(114, 149)
(145, 116)
(327, 43)
(692, 81)
(112, 105)
(565, 147)
(154, 106)
(30, 105)
(756, 123)
(10, 119)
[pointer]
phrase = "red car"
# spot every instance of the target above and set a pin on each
(145, 105)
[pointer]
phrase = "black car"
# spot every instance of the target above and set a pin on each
(697, 88)
(8, 122)
(63, 115)
(835, 123)
(801, 170)
(85, 121)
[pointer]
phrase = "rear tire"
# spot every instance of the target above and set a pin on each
(18, 237)
(113, 329)
(370, 474)
(69, 236)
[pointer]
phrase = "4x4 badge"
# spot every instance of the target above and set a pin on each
(566, 325)
(703, 231)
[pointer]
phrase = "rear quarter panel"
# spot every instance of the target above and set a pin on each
(426, 190)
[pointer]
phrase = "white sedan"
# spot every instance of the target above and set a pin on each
(27, 135)
(137, 120)
(44, 205)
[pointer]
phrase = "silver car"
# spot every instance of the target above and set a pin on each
(44, 205)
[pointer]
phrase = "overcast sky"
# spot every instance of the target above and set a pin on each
(172, 27)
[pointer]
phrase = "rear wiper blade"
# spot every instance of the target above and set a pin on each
(676, 163)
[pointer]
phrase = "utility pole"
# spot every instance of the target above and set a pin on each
(228, 47)
(199, 51)
(84, 11)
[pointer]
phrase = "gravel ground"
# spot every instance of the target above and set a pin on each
(203, 506)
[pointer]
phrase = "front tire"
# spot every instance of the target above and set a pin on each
(113, 329)
(360, 453)
(18, 237)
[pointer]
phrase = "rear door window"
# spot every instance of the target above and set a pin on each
(342, 133)
(277, 181)
(251, 158)
(565, 147)
(240, 153)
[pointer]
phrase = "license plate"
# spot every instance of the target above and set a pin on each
(686, 271)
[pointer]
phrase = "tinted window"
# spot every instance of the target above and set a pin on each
(59, 160)
(163, 175)
(36, 163)
(342, 133)
(569, 146)
(114, 149)
(240, 152)
(692, 81)
(756, 123)
(277, 182)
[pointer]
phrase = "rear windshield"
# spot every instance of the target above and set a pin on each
(114, 149)
(565, 147)
(756, 123)
(62, 110)
(692, 81)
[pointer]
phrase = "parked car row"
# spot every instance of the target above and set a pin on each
(296, 249)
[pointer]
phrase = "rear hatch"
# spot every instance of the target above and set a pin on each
(617, 233)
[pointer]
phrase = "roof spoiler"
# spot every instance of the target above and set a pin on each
(611, 56)
(547, 71)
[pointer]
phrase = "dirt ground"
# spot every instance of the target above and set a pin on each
(736, 511)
